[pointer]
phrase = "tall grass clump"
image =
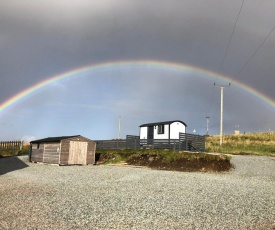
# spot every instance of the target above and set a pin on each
(250, 144)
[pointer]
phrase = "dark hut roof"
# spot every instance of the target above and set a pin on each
(161, 123)
(53, 139)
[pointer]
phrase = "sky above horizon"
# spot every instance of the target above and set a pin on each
(138, 43)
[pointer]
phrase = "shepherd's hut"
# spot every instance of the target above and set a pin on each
(162, 130)
(64, 150)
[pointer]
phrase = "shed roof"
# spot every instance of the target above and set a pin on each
(162, 123)
(53, 139)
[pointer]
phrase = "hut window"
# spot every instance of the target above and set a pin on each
(160, 129)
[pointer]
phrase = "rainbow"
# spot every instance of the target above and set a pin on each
(151, 64)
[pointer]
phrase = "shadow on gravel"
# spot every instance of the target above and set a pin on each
(9, 164)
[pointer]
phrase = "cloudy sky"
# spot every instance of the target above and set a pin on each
(43, 39)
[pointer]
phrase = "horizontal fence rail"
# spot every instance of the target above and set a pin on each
(186, 142)
(111, 144)
(172, 144)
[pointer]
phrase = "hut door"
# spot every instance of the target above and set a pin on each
(150, 134)
(78, 152)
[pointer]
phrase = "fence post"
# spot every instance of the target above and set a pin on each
(186, 140)
(12, 145)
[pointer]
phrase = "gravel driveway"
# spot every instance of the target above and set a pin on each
(37, 196)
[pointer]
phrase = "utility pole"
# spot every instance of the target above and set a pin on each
(207, 126)
(119, 124)
(221, 121)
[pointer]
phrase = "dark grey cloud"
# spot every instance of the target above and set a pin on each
(42, 39)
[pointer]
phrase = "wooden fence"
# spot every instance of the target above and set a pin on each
(192, 142)
(11, 145)
(186, 142)
(111, 144)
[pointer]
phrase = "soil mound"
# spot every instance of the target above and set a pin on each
(182, 164)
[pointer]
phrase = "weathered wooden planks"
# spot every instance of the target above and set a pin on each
(72, 150)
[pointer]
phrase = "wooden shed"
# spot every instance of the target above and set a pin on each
(64, 150)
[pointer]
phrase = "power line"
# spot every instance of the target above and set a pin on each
(243, 67)
(225, 54)
(256, 51)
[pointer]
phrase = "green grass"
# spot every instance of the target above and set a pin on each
(262, 144)
(23, 151)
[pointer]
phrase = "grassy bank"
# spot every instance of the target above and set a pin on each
(166, 159)
(114, 156)
(247, 144)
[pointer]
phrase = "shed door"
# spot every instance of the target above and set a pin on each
(78, 152)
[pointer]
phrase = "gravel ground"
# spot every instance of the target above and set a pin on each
(38, 196)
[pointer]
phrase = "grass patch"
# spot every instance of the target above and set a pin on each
(262, 144)
(112, 156)
(10, 152)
